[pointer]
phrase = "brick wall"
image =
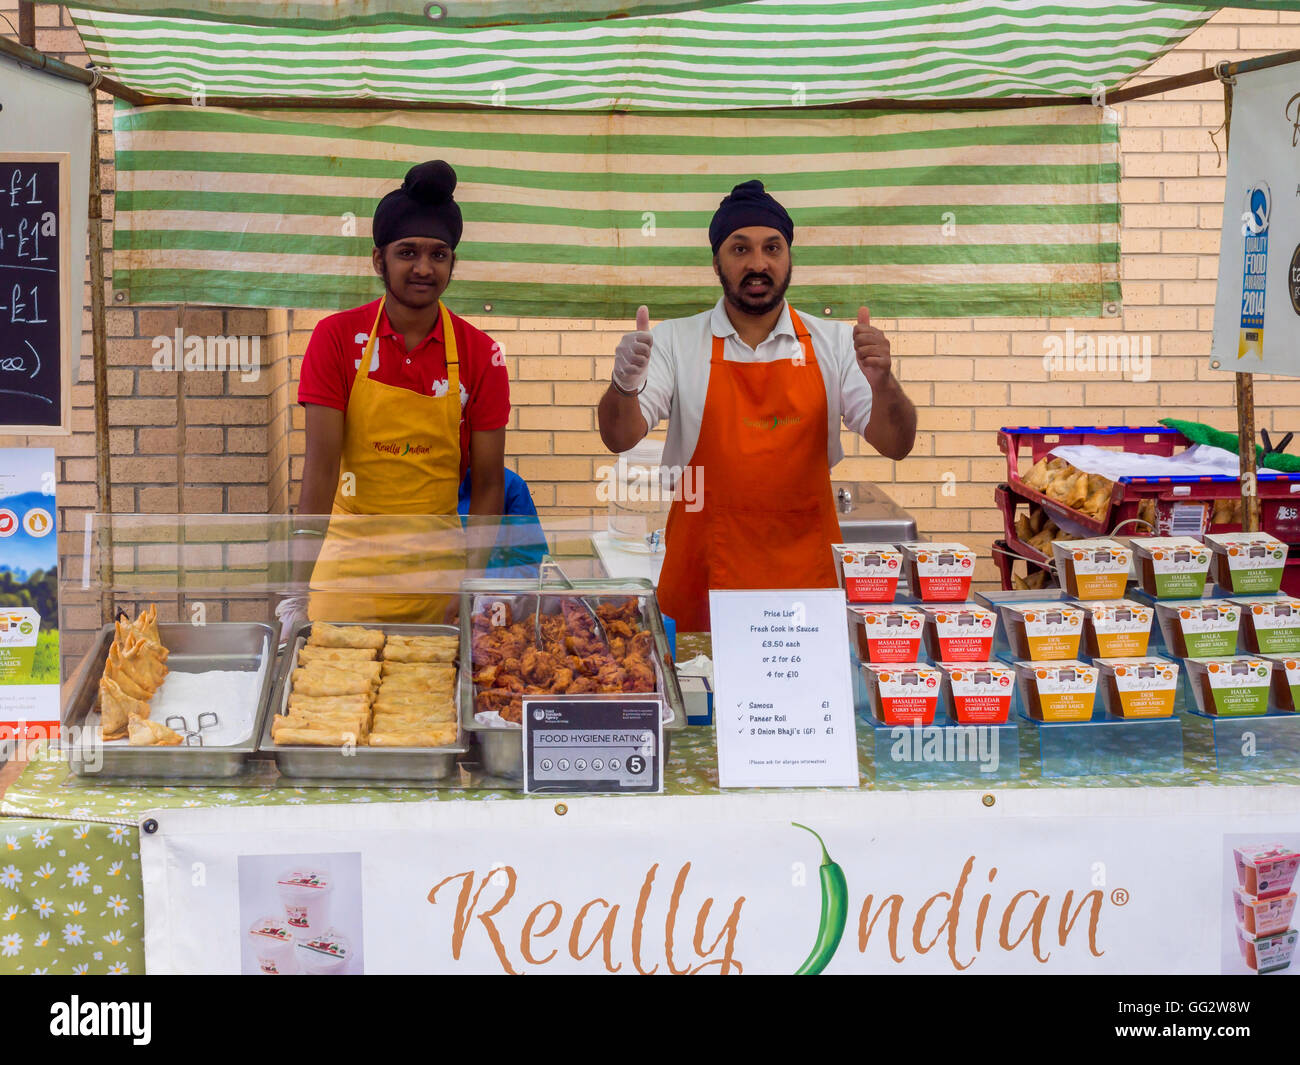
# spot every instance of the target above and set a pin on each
(242, 445)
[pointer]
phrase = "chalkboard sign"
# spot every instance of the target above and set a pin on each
(35, 293)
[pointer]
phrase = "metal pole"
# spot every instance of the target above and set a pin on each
(99, 356)
(1245, 384)
(27, 23)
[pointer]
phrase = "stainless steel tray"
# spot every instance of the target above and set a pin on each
(396, 765)
(502, 749)
(224, 645)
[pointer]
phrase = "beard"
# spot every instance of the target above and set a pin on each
(762, 303)
(383, 274)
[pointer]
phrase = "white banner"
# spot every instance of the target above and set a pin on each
(1257, 309)
(1086, 881)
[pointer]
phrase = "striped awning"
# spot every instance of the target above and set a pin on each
(1008, 212)
(766, 53)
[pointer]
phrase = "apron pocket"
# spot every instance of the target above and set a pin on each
(769, 548)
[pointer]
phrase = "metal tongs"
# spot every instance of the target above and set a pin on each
(193, 737)
(549, 563)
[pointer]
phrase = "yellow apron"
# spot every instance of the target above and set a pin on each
(401, 456)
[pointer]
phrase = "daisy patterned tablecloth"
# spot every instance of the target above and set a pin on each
(70, 885)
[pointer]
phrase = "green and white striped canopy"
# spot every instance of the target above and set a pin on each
(1008, 212)
(765, 53)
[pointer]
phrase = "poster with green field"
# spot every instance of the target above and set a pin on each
(29, 593)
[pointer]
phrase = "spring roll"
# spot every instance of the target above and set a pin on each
(317, 737)
(431, 737)
(319, 681)
(414, 669)
(435, 712)
(326, 635)
(358, 723)
(356, 703)
(431, 684)
(406, 652)
(309, 654)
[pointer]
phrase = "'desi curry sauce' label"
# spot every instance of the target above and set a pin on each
(870, 571)
(1172, 567)
(1118, 628)
(906, 695)
(1248, 562)
(1093, 569)
(1140, 687)
(1057, 691)
(1043, 631)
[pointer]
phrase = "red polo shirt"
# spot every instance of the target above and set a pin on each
(333, 357)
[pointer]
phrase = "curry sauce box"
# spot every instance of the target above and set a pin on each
(938, 573)
(868, 572)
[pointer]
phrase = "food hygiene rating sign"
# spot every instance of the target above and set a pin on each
(743, 884)
(1257, 309)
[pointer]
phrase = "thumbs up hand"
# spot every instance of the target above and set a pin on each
(872, 349)
(632, 356)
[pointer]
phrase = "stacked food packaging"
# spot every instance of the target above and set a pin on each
(1265, 905)
(1064, 652)
(937, 643)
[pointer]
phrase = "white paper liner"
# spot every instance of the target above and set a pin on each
(231, 694)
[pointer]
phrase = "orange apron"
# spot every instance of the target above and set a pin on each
(768, 519)
(401, 456)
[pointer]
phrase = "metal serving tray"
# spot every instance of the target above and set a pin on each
(502, 749)
(379, 765)
(219, 645)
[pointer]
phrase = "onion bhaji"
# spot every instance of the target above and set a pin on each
(573, 657)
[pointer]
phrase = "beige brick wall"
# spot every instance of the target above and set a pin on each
(243, 444)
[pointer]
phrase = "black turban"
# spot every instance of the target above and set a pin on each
(748, 205)
(422, 207)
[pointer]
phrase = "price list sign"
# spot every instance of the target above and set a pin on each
(783, 696)
(35, 292)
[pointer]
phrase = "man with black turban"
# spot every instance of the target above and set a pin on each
(402, 397)
(754, 394)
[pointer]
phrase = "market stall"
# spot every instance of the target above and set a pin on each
(227, 792)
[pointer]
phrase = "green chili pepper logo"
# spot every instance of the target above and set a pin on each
(835, 912)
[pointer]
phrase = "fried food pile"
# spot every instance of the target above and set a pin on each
(134, 671)
(344, 694)
(1038, 530)
(1088, 493)
(573, 658)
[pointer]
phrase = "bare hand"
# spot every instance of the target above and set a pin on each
(632, 356)
(872, 349)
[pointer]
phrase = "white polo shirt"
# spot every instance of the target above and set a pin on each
(678, 378)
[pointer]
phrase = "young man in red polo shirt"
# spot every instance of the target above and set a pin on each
(401, 395)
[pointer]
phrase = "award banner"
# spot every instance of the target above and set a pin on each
(1100, 881)
(1257, 309)
(29, 594)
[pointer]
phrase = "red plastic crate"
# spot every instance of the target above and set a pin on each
(1279, 493)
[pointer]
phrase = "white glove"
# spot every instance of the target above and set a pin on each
(291, 610)
(632, 356)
